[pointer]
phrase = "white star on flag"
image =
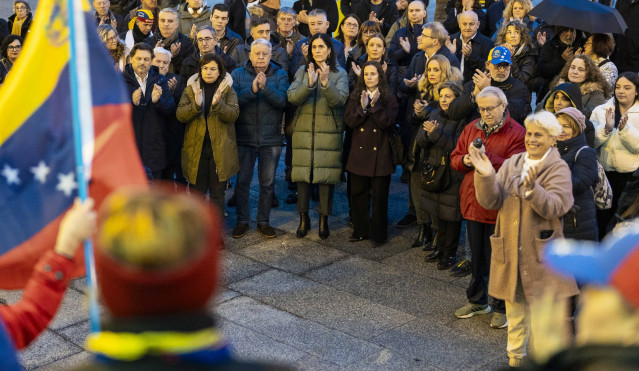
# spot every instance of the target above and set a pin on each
(66, 183)
(41, 171)
(11, 174)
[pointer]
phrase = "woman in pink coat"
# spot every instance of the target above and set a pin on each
(530, 193)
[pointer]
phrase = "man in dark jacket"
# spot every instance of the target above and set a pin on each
(470, 46)
(555, 53)
(260, 29)
(140, 29)
(627, 50)
(497, 75)
(382, 11)
(172, 40)
(403, 45)
(318, 23)
(103, 15)
(261, 92)
(4, 29)
(206, 39)
(286, 34)
(227, 40)
(152, 100)
(304, 9)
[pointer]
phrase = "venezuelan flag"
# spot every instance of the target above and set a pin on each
(38, 180)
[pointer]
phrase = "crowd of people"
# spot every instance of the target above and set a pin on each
(216, 88)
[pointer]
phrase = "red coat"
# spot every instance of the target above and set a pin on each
(25, 319)
(500, 145)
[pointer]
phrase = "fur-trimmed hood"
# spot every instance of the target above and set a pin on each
(587, 87)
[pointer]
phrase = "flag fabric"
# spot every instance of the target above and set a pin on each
(37, 164)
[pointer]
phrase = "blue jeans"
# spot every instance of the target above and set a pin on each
(267, 157)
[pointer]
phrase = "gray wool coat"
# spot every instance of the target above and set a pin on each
(516, 245)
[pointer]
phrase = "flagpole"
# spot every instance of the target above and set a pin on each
(82, 114)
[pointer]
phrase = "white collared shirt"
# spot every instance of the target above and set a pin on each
(461, 38)
(142, 82)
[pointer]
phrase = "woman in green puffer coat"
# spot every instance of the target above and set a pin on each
(320, 91)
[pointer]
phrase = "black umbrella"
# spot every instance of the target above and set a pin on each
(582, 15)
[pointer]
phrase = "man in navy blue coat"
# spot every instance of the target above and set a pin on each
(469, 45)
(317, 23)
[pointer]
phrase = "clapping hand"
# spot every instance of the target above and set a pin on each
(172, 83)
(568, 54)
(175, 49)
(157, 93)
(373, 17)
(312, 75)
(375, 98)
(324, 70)
(364, 100)
(305, 50)
(405, 44)
(412, 82)
(541, 38)
(430, 126)
(199, 97)
(610, 119)
(530, 178)
(452, 46)
(481, 80)
(622, 122)
(357, 70)
(217, 96)
(420, 107)
(480, 161)
(137, 96)
(466, 49)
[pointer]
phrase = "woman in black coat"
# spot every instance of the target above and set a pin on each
(437, 140)
(370, 113)
(515, 37)
(581, 221)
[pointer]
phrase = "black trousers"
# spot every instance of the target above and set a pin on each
(448, 237)
(207, 179)
(617, 183)
(364, 190)
(325, 197)
(479, 241)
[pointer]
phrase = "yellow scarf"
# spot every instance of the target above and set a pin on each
(17, 26)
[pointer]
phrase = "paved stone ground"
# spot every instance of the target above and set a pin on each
(319, 304)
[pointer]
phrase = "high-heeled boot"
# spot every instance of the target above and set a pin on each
(322, 231)
(305, 225)
(420, 240)
(431, 244)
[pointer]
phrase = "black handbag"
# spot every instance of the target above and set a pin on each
(436, 178)
(396, 147)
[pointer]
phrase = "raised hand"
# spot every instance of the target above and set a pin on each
(172, 83)
(357, 70)
(199, 97)
(610, 118)
(217, 96)
(290, 45)
(156, 94)
(78, 224)
(420, 107)
(530, 178)
(481, 80)
(137, 96)
(302, 16)
(541, 38)
(452, 46)
(305, 50)
(175, 49)
(312, 75)
(193, 32)
(466, 49)
(261, 80)
(324, 70)
(384, 67)
(480, 161)
(568, 54)
(412, 82)
(405, 44)
(430, 126)
(255, 87)
(622, 122)
(375, 98)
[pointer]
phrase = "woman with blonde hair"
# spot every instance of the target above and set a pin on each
(517, 10)
(114, 45)
(438, 71)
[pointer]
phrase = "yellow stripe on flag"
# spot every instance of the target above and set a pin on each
(36, 72)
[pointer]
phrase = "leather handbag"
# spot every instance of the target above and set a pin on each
(436, 178)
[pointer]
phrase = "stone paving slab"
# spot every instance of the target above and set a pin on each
(74, 308)
(328, 345)
(323, 304)
(237, 267)
(387, 359)
(291, 254)
(47, 348)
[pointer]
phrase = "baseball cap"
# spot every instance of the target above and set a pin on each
(499, 54)
(143, 15)
(613, 262)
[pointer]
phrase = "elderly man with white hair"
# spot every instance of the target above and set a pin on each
(261, 87)
(469, 45)
(532, 192)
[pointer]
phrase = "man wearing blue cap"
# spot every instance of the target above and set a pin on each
(497, 74)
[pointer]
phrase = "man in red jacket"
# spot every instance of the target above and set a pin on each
(501, 138)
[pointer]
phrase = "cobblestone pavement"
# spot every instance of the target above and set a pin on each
(319, 304)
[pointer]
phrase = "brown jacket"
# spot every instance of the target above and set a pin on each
(516, 244)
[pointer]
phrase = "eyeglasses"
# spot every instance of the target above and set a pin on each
(429, 36)
(14, 48)
(488, 109)
(502, 66)
(18, 8)
(350, 25)
(203, 40)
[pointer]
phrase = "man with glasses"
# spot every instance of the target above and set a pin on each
(469, 45)
(497, 74)
(502, 137)
(383, 12)
(104, 15)
(260, 29)
(261, 87)
(206, 39)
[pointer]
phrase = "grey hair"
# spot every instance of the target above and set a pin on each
(437, 31)
(172, 11)
(546, 121)
(262, 42)
(287, 10)
(103, 31)
(469, 13)
(491, 91)
(317, 11)
(160, 50)
(207, 27)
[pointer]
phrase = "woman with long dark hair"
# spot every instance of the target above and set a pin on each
(348, 34)
(320, 90)
(370, 113)
(209, 109)
(617, 140)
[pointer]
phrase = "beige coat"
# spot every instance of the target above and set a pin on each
(516, 246)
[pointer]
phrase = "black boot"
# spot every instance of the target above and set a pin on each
(305, 225)
(431, 244)
(322, 231)
(421, 236)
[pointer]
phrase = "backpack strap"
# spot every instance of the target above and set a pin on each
(577, 154)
